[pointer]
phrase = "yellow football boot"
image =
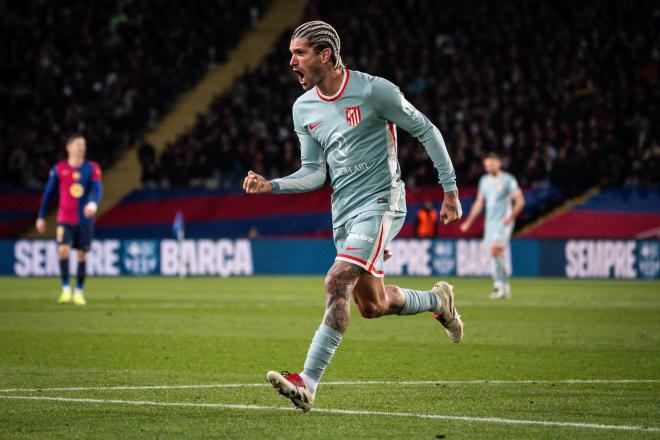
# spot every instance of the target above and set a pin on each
(65, 297)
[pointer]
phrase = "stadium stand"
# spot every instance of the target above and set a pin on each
(108, 69)
(570, 102)
(515, 93)
(528, 78)
(17, 210)
(631, 212)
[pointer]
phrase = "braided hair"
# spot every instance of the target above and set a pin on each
(321, 35)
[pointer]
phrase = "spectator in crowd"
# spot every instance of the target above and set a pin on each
(108, 69)
(567, 90)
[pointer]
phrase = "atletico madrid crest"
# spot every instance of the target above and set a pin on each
(353, 116)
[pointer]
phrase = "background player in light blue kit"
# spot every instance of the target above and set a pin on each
(498, 189)
(346, 122)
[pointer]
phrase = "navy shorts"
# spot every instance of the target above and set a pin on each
(77, 236)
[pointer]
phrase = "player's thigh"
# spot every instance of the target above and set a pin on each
(342, 277)
(64, 239)
(496, 238)
(365, 239)
(82, 238)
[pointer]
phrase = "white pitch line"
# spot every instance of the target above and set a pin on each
(136, 387)
(495, 420)
(491, 382)
(338, 383)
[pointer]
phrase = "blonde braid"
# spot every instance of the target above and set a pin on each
(321, 35)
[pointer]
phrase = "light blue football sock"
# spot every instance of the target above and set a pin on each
(418, 302)
(323, 347)
(499, 271)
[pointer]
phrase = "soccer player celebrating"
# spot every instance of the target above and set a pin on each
(346, 120)
(498, 188)
(79, 183)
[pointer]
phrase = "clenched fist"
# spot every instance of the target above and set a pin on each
(451, 210)
(256, 184)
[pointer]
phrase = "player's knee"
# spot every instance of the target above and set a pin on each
(495, 251)
(81, 256)
(63, 252)
(371, 310)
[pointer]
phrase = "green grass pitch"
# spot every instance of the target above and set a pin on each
(187, 358)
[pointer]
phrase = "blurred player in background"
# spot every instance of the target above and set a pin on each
(498, 189)
(78, 183)
(347, 121)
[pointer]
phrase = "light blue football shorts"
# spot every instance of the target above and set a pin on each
(362, 239)
(497, 234)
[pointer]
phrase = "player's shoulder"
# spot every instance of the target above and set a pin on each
(59, 166)
(373, 82)
(307, 97)
(91, 163)
(508, 176)
(303, 105)
(376, 88)
(94, 169)
(362, 78)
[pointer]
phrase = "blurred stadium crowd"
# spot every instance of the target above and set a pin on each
(107, 69)
(568, 91)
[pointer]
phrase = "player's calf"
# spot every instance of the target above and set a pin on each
(371, 310)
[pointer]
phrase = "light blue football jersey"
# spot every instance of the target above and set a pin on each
(354, 133)
(497, 193)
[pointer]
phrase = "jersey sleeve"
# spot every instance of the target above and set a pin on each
(513, 186)
(312, 172)
(52, 183)
(393, 106)
(96, 172)
(97, 186)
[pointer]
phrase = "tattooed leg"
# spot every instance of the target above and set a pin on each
(339, 283)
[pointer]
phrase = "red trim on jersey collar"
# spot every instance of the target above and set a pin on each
(341, 89)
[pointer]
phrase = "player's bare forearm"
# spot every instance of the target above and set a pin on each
(477, 206)
(41, 225)
(474, 212)
(451, 210)
(518, 205)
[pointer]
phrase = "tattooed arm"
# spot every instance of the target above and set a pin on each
(451, 210)
(339, 283)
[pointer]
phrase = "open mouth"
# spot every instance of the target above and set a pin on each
(301, 76)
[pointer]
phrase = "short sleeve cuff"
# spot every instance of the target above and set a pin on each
(276, 186)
